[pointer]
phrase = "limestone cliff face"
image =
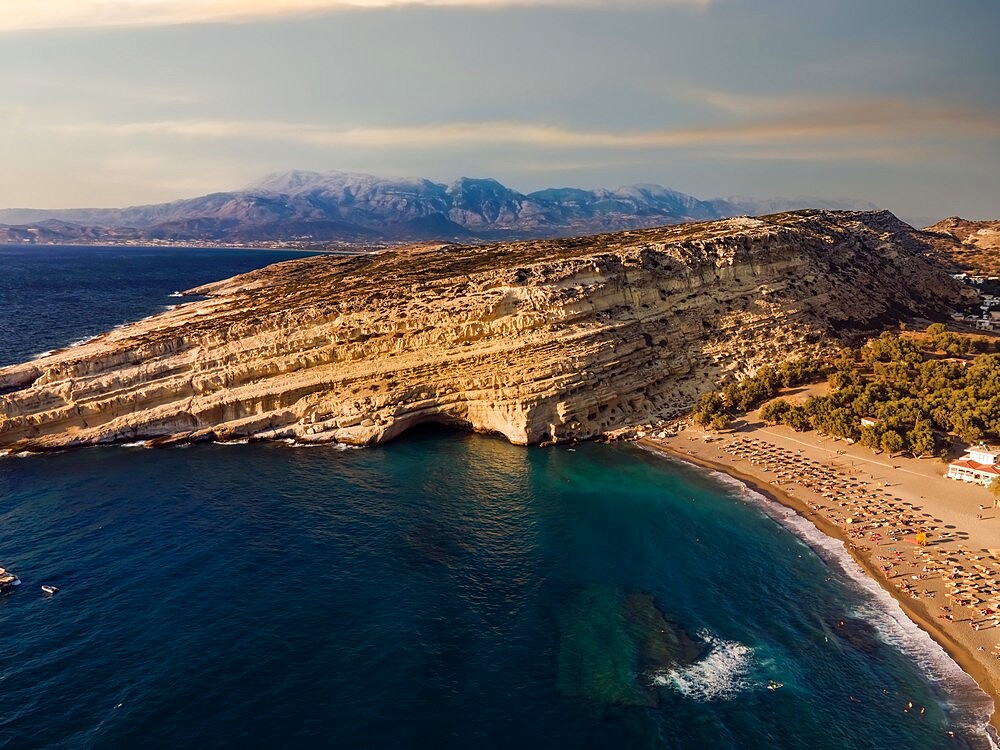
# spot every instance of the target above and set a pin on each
(537, 341)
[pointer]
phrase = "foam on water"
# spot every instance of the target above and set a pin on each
(330, 445)
(433, 547)
(70, 345)
(881, 609)
(722, 674)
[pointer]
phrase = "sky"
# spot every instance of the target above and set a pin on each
(125, 102)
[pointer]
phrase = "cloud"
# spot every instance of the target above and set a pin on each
(20, 15)
(754, 104)
(849, 121)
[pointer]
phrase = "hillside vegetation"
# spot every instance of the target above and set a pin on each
(914, 393)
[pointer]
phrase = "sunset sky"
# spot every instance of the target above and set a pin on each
(110, 103)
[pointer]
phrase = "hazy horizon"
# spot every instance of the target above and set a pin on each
(112, 104)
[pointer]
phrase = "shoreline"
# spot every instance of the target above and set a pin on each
(961, 653)
(687, 448)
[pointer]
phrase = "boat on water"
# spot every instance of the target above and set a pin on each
(50, 590)
(8, 581)
(772, 685)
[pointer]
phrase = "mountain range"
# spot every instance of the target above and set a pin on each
(346, 208)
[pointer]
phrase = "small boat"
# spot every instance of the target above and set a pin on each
(772, 685)
(50, 590)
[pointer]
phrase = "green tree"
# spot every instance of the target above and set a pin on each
(708, 407)
(920, 440)
(775, 411)
(719, 422)
(797, 418)
(892, 442)
(871, 438)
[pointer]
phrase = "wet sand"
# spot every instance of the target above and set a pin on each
(828, 481)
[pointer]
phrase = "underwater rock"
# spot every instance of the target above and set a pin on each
(610, 640)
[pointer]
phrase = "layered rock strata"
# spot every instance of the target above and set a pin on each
(537, 341)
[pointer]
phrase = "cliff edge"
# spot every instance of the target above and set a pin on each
(538, 341)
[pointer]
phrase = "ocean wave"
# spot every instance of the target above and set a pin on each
(331, 445)
(721, 675)
(882, 611)
(70, 345)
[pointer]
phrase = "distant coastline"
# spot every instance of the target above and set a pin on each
(359, 249)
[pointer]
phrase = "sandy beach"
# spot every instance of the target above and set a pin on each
(876, 505)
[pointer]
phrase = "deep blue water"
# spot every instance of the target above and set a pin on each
(442, 591)
(51, 296)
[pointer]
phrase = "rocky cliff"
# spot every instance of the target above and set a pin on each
(537, 341)
(972, 246)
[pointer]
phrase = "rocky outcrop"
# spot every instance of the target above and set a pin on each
(972, 246)
(537, 341)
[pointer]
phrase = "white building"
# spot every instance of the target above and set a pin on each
(982, 454)
(979, 465)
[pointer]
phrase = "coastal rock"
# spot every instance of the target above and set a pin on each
(539, 341)
(972, 246)
(613, 641)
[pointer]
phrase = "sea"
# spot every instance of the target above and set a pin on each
(445, 590)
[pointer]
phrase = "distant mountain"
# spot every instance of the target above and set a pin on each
(741, 205)
(341, 207)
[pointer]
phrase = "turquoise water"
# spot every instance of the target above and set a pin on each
(443, 591)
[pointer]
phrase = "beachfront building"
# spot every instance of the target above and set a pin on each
(979, 465)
